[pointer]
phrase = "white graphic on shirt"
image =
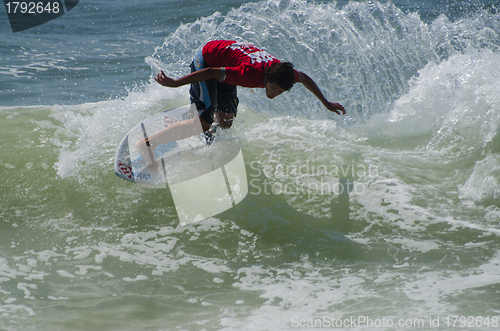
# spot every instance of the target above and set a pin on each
(256, 55)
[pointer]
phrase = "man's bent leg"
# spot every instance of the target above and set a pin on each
(205, 125)
(223, 120)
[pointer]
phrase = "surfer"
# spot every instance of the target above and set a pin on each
(222, 65)
(216, 70)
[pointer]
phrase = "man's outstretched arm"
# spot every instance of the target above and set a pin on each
(194, 77)
(311, 86)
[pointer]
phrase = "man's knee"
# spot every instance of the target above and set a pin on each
(224, 120)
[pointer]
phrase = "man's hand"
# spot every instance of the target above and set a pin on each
(162, 79)
(335, 107)
(194, 77)
(311, 86)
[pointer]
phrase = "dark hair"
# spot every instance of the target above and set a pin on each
(282, 74)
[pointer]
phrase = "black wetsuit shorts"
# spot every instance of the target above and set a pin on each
(212, 95)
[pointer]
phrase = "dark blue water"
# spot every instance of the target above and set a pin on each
(96, 51)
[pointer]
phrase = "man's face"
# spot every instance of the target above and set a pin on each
(273, 90)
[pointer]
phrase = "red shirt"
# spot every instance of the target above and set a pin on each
(245, 64)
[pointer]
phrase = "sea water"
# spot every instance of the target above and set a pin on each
(385, 218)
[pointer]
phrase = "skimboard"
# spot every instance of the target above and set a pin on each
(169, 150)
